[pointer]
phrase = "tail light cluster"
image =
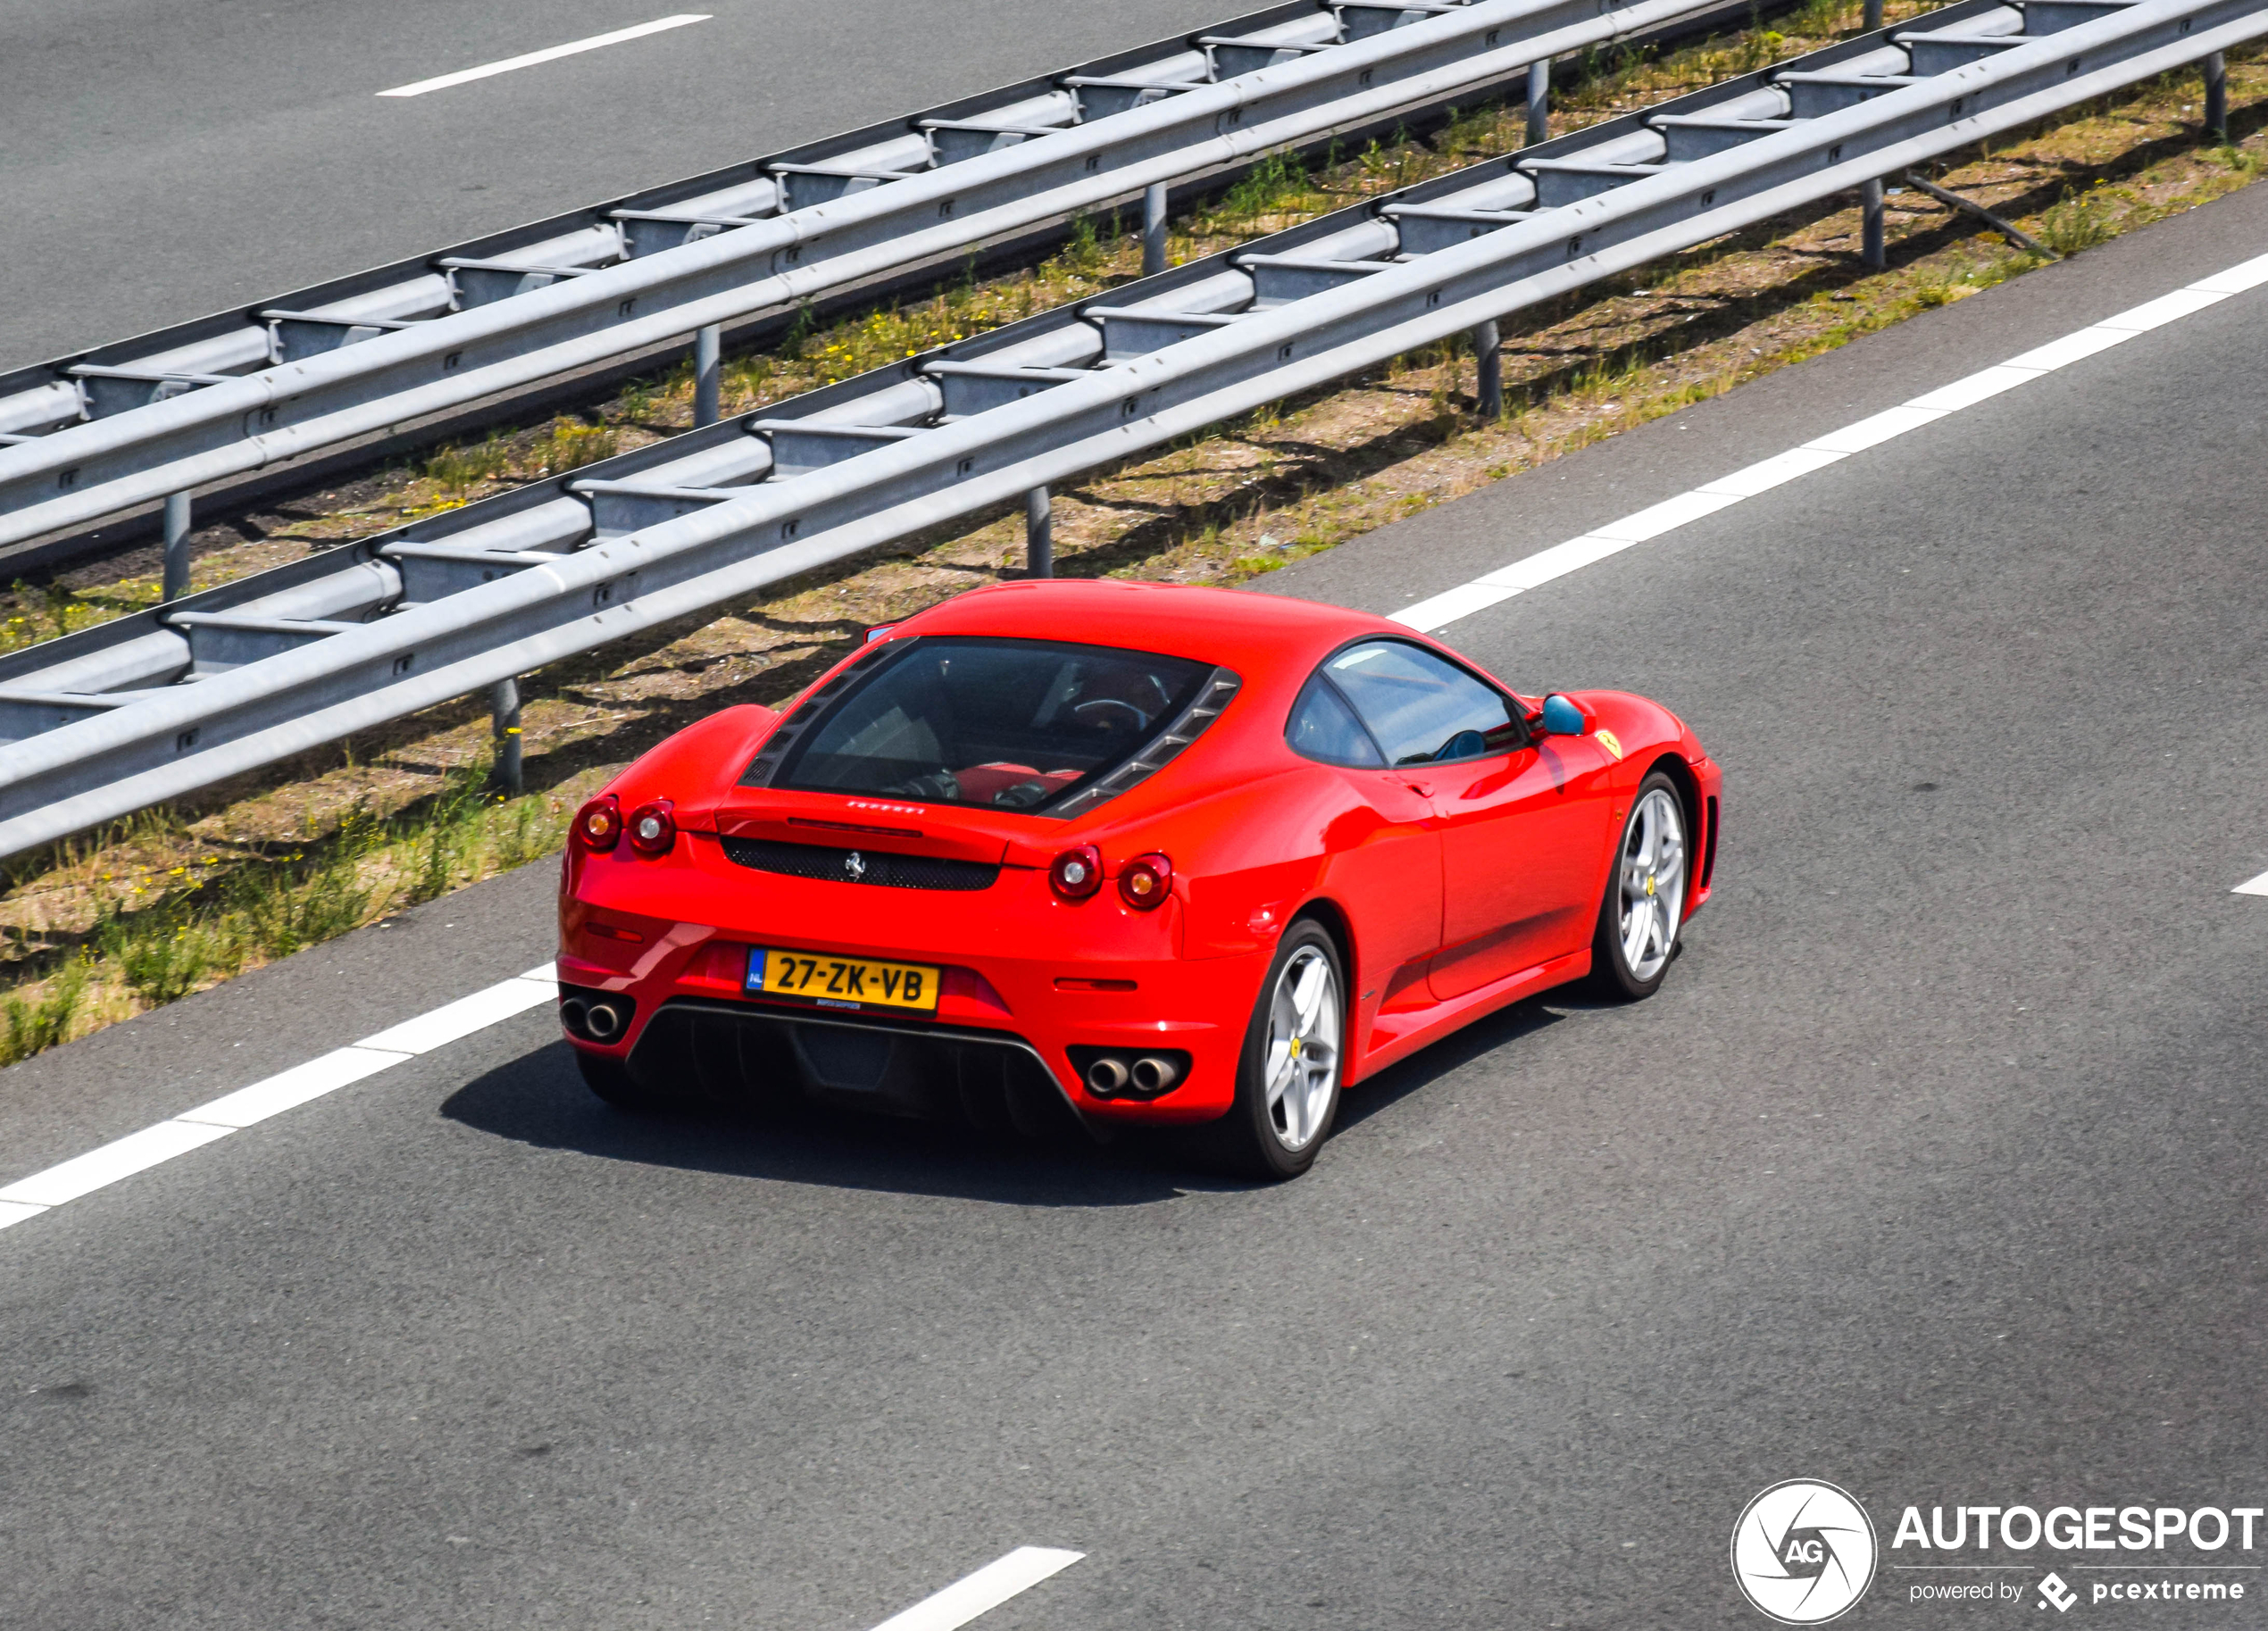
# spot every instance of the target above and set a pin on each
(1143, 882)
(1076, 874)
(651, 828)
(598, 825)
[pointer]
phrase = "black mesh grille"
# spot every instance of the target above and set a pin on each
(859, 866)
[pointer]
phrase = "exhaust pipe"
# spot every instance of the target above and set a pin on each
(572, 1014)
(1153, 1074)
(1106, 1076)
(603, 1020)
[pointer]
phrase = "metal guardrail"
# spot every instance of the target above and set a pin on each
(104, 723)
(92, 436)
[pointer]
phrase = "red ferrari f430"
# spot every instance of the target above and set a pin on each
(1157, 854)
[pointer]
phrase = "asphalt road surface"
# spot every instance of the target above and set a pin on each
(1932, 1172)
(162, 161)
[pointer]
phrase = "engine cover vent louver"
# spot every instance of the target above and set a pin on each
(859, 866)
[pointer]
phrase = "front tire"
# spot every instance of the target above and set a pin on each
(1644, 911)
(1288, 1076)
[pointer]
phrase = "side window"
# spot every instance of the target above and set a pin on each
(1324, 727)
(1422, 709)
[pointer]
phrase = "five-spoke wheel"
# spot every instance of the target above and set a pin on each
(1303, 1048)
(1645, 904)
(1288, 1081)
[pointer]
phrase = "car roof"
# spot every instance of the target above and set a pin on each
(1226, 627)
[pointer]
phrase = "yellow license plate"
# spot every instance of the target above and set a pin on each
(843, 982)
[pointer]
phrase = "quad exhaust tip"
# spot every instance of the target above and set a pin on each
(1112, 1074)
(1153, 1075)
(1108, 1076)
(594, 1017)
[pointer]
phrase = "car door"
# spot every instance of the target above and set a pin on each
(1520, 822)
(1521, 838)
(1384, 853)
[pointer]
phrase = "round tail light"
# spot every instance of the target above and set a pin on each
(598, 825)
(1145, 880)
(1076, 874)
(653, 827)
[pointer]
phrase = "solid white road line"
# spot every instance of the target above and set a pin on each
(987, 1589)
(461, 1018)
(1440, 611)
(121, 1158)
(138, 1152)
(293, 1087)
(549, 53)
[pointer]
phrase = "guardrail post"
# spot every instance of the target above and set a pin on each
(1153, 229)
(2216, 96)
(1870, 233)
(1040, 534)
(1873, 15)
(708, 360)
(1489, 371)
(504, 707)
(1538, 102)
(177, 545)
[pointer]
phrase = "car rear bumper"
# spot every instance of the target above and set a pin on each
(1030, 987)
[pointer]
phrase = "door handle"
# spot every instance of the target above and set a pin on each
(1423, 789)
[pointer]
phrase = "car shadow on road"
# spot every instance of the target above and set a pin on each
(539, 1099)
(1503, 1028)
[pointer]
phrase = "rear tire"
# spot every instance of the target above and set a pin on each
(1287, 1076)
(1644, 911)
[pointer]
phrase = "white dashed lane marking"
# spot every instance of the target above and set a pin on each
(549, 53)
(980, 1592)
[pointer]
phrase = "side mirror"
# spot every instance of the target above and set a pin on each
(1562, 718)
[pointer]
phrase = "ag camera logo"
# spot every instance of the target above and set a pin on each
(1804, 1552)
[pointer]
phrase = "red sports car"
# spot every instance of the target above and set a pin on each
(1157, 854)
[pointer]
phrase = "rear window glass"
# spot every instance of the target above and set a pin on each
(1008, 724)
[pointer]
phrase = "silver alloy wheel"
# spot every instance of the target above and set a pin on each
(1653, 883)
(1303, 1048)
